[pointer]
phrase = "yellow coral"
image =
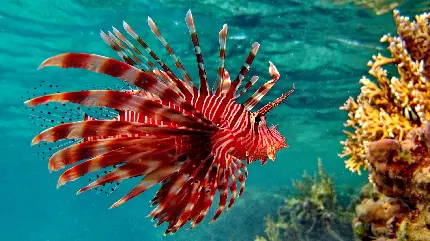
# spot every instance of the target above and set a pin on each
(391, 107)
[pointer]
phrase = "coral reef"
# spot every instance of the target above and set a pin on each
(390, 107)
(396, 205)
(312, 214)
(391, 138)
(415, 227)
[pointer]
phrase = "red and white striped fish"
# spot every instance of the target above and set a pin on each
(191, 140)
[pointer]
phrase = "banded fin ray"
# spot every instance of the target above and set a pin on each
(262, 91)
(106, 129)
(115, 41)
(119, 35)
(127, 155)
(235, 84)
(117, 48)
(204, 88)
(124, 71)
(88, 149)
(124, 101)
(247, 86)
(181, 85)
(169, 50)
(222, 49)
(150, 180)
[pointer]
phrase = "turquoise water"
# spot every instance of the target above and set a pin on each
(321, 48)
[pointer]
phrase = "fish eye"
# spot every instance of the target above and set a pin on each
(257, 119)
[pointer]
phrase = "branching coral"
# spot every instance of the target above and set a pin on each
(313, 214)
(391, 106)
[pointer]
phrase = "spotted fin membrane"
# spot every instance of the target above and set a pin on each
(52, 114)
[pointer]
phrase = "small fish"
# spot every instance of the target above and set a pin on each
(411, 114)
(239, 36)
(195, 141)
(356, 43)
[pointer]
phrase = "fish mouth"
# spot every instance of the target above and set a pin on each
(271, 152)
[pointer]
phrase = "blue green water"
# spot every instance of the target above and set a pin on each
(320, 47)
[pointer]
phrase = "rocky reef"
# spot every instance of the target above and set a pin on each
(401, 169)
(375, 214)
(390, 136)
(313, 213)
(396, 205)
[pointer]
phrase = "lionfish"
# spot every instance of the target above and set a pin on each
(195, 141)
